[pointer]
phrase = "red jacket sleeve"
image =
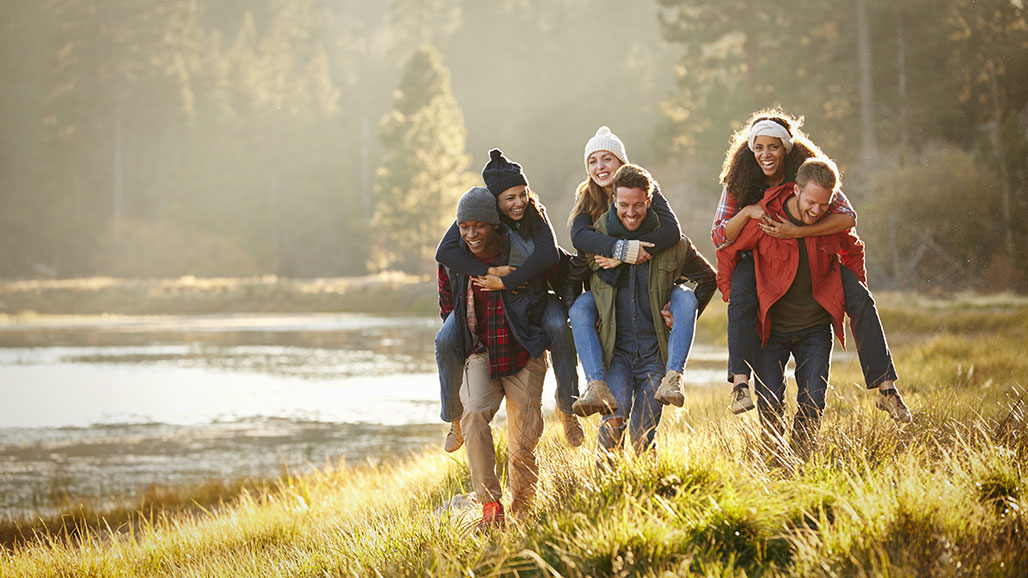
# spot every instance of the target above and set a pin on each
(726, 256)
(851, 251)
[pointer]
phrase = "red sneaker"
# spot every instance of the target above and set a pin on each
(492, 516)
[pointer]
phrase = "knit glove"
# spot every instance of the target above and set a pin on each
(627, 250)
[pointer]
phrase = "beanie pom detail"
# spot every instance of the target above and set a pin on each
(500, 173)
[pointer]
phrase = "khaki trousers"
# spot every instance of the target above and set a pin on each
(481, 396)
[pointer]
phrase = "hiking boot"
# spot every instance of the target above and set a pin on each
(597, 398)
(455, 438)
(572, 428)
(741, 400)
(892, 403)
(492, 516)
(670, 391)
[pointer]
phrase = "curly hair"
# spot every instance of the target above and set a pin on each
(740, 172)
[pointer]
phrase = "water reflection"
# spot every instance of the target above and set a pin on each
(106, 406)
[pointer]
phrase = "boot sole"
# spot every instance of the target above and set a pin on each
(743, 409)
(586, 410)
(675, 400)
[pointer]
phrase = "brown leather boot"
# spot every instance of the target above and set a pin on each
(572, 429)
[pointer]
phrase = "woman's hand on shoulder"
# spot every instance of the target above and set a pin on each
(780, 229)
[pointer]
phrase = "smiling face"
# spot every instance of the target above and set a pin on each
(770, 155)
(513, 202)
(631, 204)
(480, 237)
(602, 166)
(812, 202)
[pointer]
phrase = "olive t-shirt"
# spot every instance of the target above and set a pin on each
(797, 309)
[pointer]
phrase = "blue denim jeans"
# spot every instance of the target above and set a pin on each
(583, 317)
(684, 308)
(633, 381)
(562, 350)
(583, 326)
(450, 359)
(812, 350)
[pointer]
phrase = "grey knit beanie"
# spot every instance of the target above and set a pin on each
(477, 204)
(501, 174)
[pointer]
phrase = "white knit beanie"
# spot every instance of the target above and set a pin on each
(604, 140)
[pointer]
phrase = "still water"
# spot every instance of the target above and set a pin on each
(106, 406)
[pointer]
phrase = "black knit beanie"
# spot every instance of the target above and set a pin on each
(500, 174)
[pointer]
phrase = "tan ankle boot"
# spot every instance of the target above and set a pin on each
(572, 429)
(597, 398)
(670, 390)
(455, 438)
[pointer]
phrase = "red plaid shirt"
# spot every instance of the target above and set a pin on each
(727, 208)
(506, 355)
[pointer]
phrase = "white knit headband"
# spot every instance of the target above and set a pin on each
(770, 128)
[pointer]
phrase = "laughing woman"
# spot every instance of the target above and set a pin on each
(534, 252)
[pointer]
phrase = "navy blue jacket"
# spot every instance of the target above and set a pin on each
(523, 307)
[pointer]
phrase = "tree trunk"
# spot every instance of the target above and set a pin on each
(866, 89)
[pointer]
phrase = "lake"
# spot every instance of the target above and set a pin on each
(107, 405)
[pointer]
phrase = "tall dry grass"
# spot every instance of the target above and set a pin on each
(944, 496)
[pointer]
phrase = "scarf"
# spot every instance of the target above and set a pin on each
(615, 276)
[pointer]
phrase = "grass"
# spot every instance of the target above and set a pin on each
(944, 496)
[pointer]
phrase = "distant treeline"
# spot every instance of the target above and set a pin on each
(314, 138)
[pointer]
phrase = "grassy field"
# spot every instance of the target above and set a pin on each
(944, 496)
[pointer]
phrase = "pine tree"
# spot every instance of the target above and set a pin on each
(424, 167)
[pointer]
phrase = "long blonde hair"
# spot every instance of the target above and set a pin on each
(590, 199)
